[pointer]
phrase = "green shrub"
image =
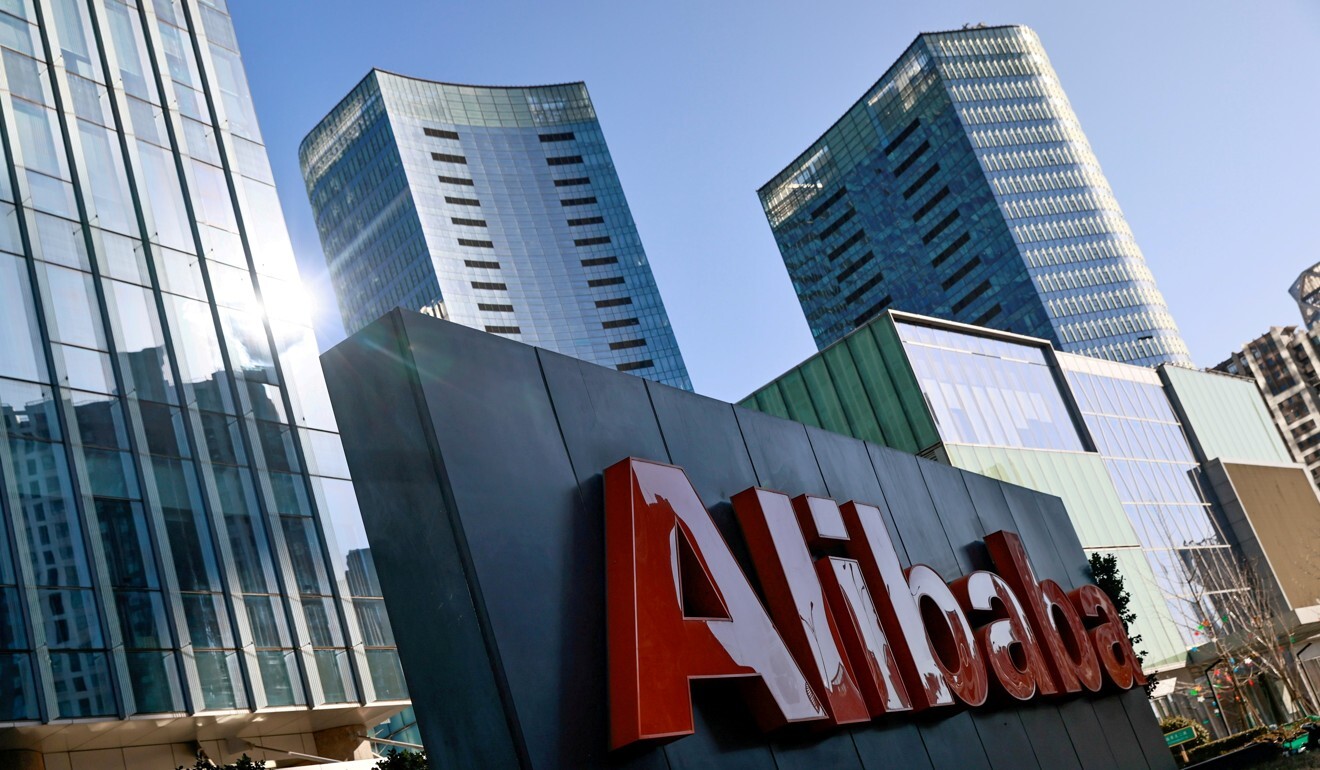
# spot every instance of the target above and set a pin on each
(1225, 745)
(1178, 722)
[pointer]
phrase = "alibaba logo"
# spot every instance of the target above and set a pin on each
(845, 634)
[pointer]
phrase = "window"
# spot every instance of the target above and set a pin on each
(842, 247)
(476, 244)
(939, 228)
(847, 272)
(872, 310)
(834, 226)
(462, 201)
(635, 365)
(980, 289)
(614, 302)
(960, 273)
(904, 134)
(597, 241)
(958, 243)
(909, 160)
(564, 160)
(597, 282)
(440, 133)
(627, 344)
(598, 261)
(870, 284)
(830, 201)
(577, 201)
(987, 315)
(586, 221)
(480, 264)
(620, 323)
(456, 180)
(574, 182)
(468, 222)
(564, 137)
(494, 308)
(921, 181)
(447, 158)
(504, 330)
(931, 204)
(489, 285)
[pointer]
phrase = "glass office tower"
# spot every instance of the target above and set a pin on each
(180, 544)
(961, 186)
(496, 208)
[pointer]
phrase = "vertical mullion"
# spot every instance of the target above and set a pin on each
(163, 549)
(78, 478)
(219, 530)
(348, 626)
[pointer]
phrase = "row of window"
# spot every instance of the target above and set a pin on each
(911, 159)
(971, 296)
(960, 273)
(916, 186)
(951, 249)
(904, 134)
(943, 224)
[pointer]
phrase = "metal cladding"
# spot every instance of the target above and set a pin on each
(482, 464)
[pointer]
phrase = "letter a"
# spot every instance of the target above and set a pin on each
(680, 608)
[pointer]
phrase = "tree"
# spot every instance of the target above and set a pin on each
(244, 763)
(1257, 621)
(1104, 570)
(1238, 615)
(403, 760)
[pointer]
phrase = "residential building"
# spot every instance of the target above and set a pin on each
(497, 208)
(178, 528)
(961, 186)
(1283, 364)
(1168, 469)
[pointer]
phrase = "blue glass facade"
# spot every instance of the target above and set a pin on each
(961, 186)
(179, 533)
(496, 208)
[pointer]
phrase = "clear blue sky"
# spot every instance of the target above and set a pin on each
(1204, 115)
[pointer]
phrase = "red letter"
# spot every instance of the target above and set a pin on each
(849, 598)
(1069, 653)
(796, 602)
(1007, 644)
(1111, 641)
(936, 667)
(679, 607)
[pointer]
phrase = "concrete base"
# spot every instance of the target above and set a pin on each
(343, 743)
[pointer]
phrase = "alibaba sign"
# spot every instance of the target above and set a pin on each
(845, 634)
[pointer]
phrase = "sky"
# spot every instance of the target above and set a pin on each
(1204, 116)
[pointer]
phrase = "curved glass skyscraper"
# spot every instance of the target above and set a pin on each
(961, 186)
(497, 208)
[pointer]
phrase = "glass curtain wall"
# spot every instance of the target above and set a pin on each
(1160, 485)
(179, 525)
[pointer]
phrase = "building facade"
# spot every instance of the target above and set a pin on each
(1282, 362)
(496, 208)
(1128, 449)
(961, 186)
(181, 552)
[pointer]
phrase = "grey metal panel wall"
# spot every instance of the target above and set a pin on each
(479, 465)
